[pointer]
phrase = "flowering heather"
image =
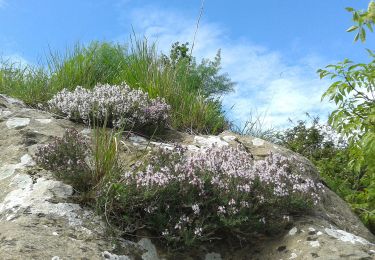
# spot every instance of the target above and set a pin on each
(189, 197)
(66, 157)
(119, 105)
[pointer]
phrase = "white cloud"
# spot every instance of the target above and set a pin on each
(265, 82)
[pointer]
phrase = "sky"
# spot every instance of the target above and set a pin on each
(271, 49)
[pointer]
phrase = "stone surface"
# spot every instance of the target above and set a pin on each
(17, 122)
(40, 220)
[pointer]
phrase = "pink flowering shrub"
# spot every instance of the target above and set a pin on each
(187, 197)
(120, 106)
(66, 157)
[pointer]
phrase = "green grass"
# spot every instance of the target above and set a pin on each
(138, 64)
(255, 127)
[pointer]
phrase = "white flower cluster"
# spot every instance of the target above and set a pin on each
(228, 166)
(221, 183)
(119, 105)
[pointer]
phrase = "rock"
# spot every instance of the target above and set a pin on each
(17, 122)
(109, 256)
(40, 220)
(293, 231)
(345, 236)
(212, 256)
(149, 247)
(44, 120)
(208, 141)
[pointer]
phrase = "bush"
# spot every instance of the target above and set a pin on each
(204, 77)
(188, 197)
(331, 155)
(67, 158)
(120, 106)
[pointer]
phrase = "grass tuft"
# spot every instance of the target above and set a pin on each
(139, 64)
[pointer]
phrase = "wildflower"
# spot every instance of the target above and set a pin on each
(221, 210)
(165, 233)
(198, 231)
(195, 209)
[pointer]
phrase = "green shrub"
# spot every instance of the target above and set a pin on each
(331, 155)
(204, 77)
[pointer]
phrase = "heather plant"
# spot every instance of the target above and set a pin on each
(68, 158)
(187, 197)
(82, 163)
(120, 106)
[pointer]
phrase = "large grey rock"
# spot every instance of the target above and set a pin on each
(39, 219)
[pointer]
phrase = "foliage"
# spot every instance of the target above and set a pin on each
(120, 106)
(331, 154)
(204, 77)
(362, 19)
(86, 66)
(353, 92)
(81, 164)
(139, 64)
(25, 82)
(67, 158)
(189, 197)
(105, 153)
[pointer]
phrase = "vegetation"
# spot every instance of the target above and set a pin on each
(254, 126)
(331, 154)
(68, 157)
(204, 77)
(353, 93)
(190, 89)
(363, 19)
(113, 106)
(183, 197)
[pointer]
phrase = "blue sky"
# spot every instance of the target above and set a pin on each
(272, 49)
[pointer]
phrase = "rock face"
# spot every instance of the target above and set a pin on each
(40, 220)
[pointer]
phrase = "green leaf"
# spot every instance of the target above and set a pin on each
(349, 9)
(369, 26)
(352, 28)
(355, 16)
(363, 35)
(356, 37)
